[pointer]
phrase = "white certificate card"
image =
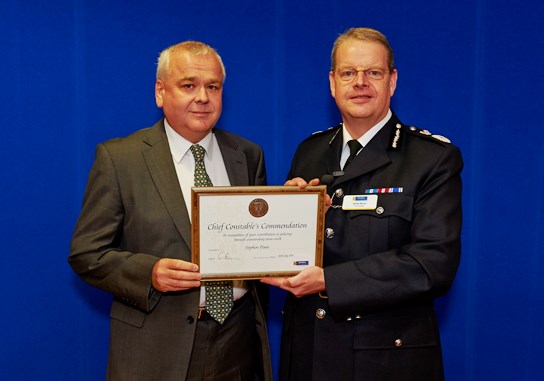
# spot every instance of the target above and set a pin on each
(256, 232)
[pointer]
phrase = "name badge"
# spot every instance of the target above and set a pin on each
(360, 202)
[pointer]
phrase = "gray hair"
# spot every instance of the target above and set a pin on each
(194, 47)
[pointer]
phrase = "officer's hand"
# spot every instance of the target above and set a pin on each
(174, 275)
(301, 183)
(308, 281)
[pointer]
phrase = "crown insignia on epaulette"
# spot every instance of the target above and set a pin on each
(442, 138)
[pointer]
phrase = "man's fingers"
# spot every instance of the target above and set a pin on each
(309, 281)
(175, 275)
(297, 181)
(301, 183)
(165, 284)
(284, 283)
(272, 281)
(178, 264)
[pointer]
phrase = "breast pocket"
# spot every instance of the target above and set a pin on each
(395, 333)
(387, 226)
(398, 349)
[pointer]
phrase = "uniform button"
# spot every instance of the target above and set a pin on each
(190, 319)
(398, 343)
(329, 232)
(380, 210)
(357, 317)
(320, 313)
(339, 193)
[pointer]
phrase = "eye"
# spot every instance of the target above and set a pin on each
(347, 73)
(213, 87)
(374, 73)
(187, 85)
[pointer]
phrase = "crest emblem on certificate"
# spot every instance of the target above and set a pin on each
(258, 207)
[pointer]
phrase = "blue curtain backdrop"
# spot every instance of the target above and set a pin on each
(74, 73)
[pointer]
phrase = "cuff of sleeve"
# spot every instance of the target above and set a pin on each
(153, 298)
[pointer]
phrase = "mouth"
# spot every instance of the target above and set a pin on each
(200, 113)
(360, 98)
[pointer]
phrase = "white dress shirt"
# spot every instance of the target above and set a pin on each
(184, 162)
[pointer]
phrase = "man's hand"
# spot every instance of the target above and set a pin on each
(308, 281)
(301, 183)
(175, 275)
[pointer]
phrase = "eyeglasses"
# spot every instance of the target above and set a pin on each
(348, 74)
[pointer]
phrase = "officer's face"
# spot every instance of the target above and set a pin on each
(361, 83)
(190, 94)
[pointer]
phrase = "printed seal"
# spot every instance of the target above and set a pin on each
(258, 207)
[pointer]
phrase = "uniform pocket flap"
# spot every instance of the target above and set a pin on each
(395, 333)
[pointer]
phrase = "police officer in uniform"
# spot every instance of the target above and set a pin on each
(392, 233)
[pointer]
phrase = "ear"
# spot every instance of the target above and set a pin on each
(331, 83)
(393, 82)
(159, 92)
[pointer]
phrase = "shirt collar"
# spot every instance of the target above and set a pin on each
(179, 146)
(367, 136)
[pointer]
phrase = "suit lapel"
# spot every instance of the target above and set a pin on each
(158, 157)
(235, 160)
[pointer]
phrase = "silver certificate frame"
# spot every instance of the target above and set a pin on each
(256, 232)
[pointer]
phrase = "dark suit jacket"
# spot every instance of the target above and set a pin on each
(134, 214)
(383, 267)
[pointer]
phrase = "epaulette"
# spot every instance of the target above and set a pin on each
(327, 131)
(400, 130)
(427, 133)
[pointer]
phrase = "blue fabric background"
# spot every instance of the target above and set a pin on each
(74, 73)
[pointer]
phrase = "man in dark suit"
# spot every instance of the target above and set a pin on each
(392, 233)
(133, 236)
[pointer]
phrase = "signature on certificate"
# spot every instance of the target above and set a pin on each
(224, 255)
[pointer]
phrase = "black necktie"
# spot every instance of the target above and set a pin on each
(218, 293)
(354, 147)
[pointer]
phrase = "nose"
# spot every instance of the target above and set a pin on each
(202, 95)
(360, 80)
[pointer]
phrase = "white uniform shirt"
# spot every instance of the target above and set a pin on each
(367, 137)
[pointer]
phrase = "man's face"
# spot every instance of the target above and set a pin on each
(363, 99)
(190, 94)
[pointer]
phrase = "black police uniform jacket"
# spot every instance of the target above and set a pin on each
(383, 267)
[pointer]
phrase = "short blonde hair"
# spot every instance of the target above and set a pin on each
(194, 47)
(366, 35)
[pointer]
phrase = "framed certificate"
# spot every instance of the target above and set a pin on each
(256, 231)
